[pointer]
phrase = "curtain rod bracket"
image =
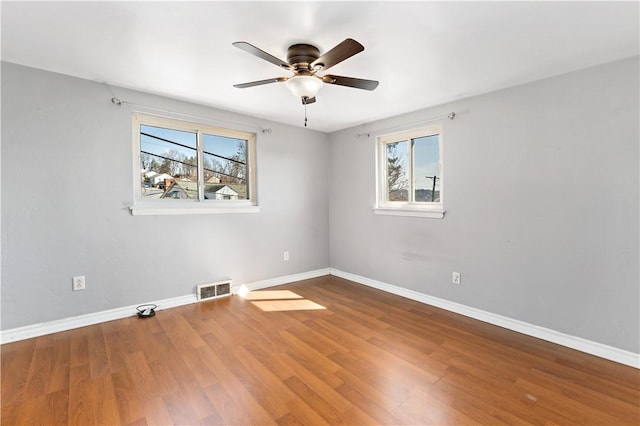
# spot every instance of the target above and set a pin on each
(117, 102)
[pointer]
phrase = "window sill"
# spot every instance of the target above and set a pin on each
(410, 212)
(194, 208)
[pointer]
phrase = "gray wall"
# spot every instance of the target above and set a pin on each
(541, 194)
(66, 185)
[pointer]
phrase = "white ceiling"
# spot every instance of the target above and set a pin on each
(423, 53)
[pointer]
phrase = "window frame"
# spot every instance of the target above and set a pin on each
(192, 206)
(407, 208)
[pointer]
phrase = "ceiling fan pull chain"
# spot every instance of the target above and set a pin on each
(305, 114)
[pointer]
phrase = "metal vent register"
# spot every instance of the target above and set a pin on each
(213, 290)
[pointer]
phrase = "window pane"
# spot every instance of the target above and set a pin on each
(225, 168)
(397, 176)
(168, 160)
(426, 169)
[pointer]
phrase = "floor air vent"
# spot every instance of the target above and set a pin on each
(214, 290)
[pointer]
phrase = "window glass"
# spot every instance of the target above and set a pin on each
(426, 169)
(397, 173)
(225, 168)
(167, 155)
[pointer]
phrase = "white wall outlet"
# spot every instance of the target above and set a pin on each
(78, 283)
(455, 279)
(285, 255)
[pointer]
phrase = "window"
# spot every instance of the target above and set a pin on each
(182, 167)
(410, 173)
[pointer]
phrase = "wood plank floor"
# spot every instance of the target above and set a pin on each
(320, 351)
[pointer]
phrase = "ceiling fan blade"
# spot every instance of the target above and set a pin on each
(358, 83)
(261, 54)
(307, 101)
(260, 82)
(342, 51)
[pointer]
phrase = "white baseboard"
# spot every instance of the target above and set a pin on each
(272, 282)
(594, 348)
(41, 329)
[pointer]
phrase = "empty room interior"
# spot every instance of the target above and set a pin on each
(318, 212)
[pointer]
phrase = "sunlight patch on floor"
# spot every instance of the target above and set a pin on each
(287, 305)
(278, 300)
(272, 295)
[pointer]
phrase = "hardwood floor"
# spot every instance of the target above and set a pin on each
(320, 351)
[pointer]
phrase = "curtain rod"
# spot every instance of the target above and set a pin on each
(450, 116)
(119, 102)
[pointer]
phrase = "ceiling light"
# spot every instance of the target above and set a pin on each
(304, 86)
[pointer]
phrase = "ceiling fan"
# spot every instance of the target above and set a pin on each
(305, 61)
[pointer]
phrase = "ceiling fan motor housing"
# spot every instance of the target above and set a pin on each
(302, 55)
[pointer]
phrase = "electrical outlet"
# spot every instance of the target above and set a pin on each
(285, 255)
(78, 283)
(456, 278)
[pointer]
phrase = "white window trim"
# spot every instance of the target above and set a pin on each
(406, 208)
(432, 213)
(193, 208)
(142, 207)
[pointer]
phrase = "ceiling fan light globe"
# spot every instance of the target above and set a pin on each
(304, 86)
